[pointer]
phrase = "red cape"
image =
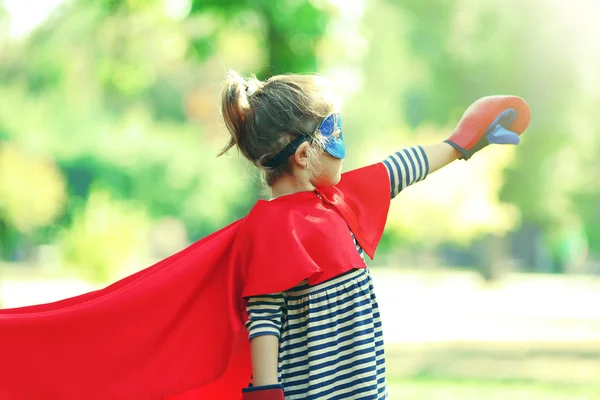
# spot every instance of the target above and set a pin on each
(176, 329)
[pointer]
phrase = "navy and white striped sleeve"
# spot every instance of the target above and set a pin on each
(406, 167)
(265, 315)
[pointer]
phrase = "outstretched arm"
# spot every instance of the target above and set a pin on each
(439, 155)
(413, 164)
(489, 120)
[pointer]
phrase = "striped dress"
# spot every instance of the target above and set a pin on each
(330, 334)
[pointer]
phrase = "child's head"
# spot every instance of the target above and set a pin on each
(282, 113)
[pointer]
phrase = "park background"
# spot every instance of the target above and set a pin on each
(487, 274)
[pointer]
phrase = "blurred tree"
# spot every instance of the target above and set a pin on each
(430, 86)
(555, 179)
(430, 63)
(104, 236)
(120, 94)
(108, 90)
(292, 30)
(32, 194)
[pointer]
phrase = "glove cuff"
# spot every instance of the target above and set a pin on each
(266, 392)
(465, 153)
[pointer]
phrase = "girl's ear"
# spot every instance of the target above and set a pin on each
(301, 155)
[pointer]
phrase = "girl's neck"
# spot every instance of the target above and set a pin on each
(289, 184)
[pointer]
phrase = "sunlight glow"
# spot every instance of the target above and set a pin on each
(26, 15)
(581, 19)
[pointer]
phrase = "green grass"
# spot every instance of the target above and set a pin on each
(440, 389)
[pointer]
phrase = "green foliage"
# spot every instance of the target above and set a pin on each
(103, 237)
(122, 95)
(475, 389)
(32, 190)
(108, 93)
(291, 30)
(430, 62)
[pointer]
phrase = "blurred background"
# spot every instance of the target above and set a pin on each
(488, 274)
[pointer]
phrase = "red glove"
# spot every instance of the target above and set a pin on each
(267, 392)
(493, 119)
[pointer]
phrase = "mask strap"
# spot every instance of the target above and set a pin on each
(287, 151)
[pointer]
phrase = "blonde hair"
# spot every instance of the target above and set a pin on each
(262, 117)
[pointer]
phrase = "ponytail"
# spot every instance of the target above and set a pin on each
(235, 108)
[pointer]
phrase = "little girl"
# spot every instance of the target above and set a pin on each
(278, 304)
(322, 338)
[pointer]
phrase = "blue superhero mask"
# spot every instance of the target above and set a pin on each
(330, 129)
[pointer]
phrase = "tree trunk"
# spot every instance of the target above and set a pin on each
(493, 260)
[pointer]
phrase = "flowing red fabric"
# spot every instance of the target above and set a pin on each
(176, 329)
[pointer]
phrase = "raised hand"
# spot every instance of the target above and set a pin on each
(490, 120)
